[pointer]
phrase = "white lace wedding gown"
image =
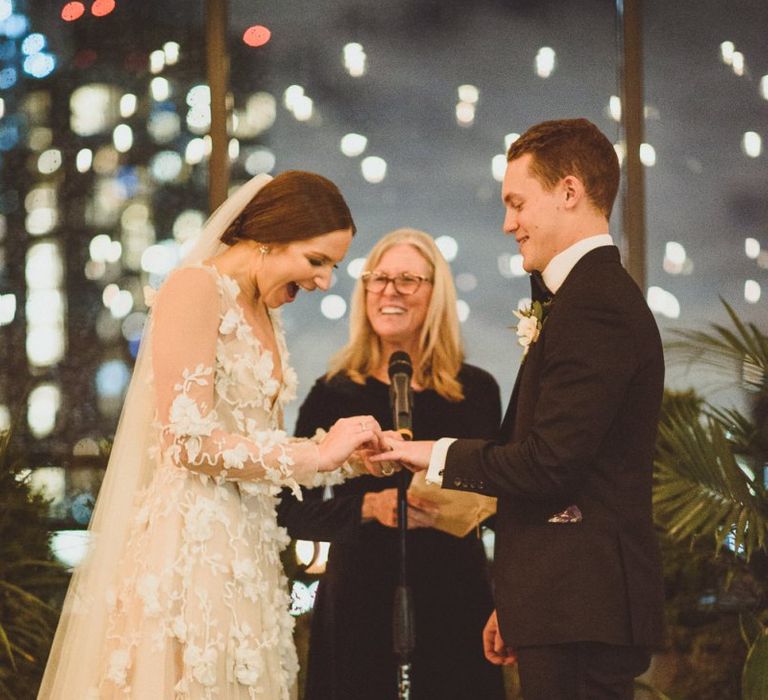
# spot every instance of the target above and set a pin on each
(200, 609)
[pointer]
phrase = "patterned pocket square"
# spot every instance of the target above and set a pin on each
(571, 514)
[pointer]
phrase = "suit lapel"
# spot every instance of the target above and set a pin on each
(598, 255)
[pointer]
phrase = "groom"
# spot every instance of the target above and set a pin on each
(577, 567)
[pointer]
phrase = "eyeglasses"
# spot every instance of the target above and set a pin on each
(405, 283)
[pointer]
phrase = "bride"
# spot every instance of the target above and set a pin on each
(182, 594)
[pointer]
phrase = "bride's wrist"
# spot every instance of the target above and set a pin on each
(324, 462)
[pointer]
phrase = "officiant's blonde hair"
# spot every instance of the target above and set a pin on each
(440, 347)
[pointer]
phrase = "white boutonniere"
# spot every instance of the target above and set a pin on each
(531, 320)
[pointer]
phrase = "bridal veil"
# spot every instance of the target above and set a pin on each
(72, 669)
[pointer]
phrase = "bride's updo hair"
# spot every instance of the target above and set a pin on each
(293, 206)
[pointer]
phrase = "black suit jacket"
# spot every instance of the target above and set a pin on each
(580, 430)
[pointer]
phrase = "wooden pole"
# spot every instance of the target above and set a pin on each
(218, 81)
(632, 119)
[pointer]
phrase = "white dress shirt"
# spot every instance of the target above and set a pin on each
(554, 275)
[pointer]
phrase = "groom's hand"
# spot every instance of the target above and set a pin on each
(379, 446)
(413, 455)
(494, 648)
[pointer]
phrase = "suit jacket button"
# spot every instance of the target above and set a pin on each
(457, 482)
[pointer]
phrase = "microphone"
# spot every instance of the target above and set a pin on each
(400, 393)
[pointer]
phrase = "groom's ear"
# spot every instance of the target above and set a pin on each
(573, 191)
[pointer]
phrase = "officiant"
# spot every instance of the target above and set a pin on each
(405, 300)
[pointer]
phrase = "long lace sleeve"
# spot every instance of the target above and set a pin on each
(186, 332)
(353, 466)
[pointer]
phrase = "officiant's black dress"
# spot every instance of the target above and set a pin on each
(350, 655)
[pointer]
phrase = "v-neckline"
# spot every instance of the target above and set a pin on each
(277, 355)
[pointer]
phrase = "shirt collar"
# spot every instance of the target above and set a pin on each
(560, 266)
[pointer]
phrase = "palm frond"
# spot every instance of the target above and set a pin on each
(754, 677)
(741, 351)
(6, 644)
(29, 579)
(750, 627)
(741, 431)
(700, 490)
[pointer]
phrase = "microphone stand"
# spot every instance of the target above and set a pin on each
(403, 637)
(403, 623)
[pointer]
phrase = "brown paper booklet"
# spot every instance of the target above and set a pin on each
(460, 511)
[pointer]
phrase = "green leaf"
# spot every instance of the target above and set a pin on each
(741, 353)
(751, 628)
(754, 678)
(699, 488)
(26, 596)
(7, 646)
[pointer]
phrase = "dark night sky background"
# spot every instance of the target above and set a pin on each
(703, 191)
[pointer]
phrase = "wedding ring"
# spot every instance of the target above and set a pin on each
(387, 469)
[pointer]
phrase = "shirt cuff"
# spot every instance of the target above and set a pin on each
(437, 460)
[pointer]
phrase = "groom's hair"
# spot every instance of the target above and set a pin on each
(293, 206)
(572, 147)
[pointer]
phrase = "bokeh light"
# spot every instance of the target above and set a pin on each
(752, 248)
(465, 114)
(8, 77)
(101, 8)
(333, 306)
(466, 282)
(260, 160)
(42, 406)
(752, 291)
(663, 302)
(32, 44)
(112, 377)
(499, 166)
(353, 144)
(69, 547)
(647, 155)
(84, 160)
(545, 62)
(356, 267)
(16, 26)
(166, 166)
(7, 308)
(462, 309)
(752, 144)
(160, 88)
(257, 35)
(469, 93)
(448, 246)
(355, 59)
(49, 161)
(374, 169)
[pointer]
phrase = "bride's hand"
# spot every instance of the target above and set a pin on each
(345, 436)
(381, 444)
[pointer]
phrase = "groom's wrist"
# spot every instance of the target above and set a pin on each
(437, 460)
